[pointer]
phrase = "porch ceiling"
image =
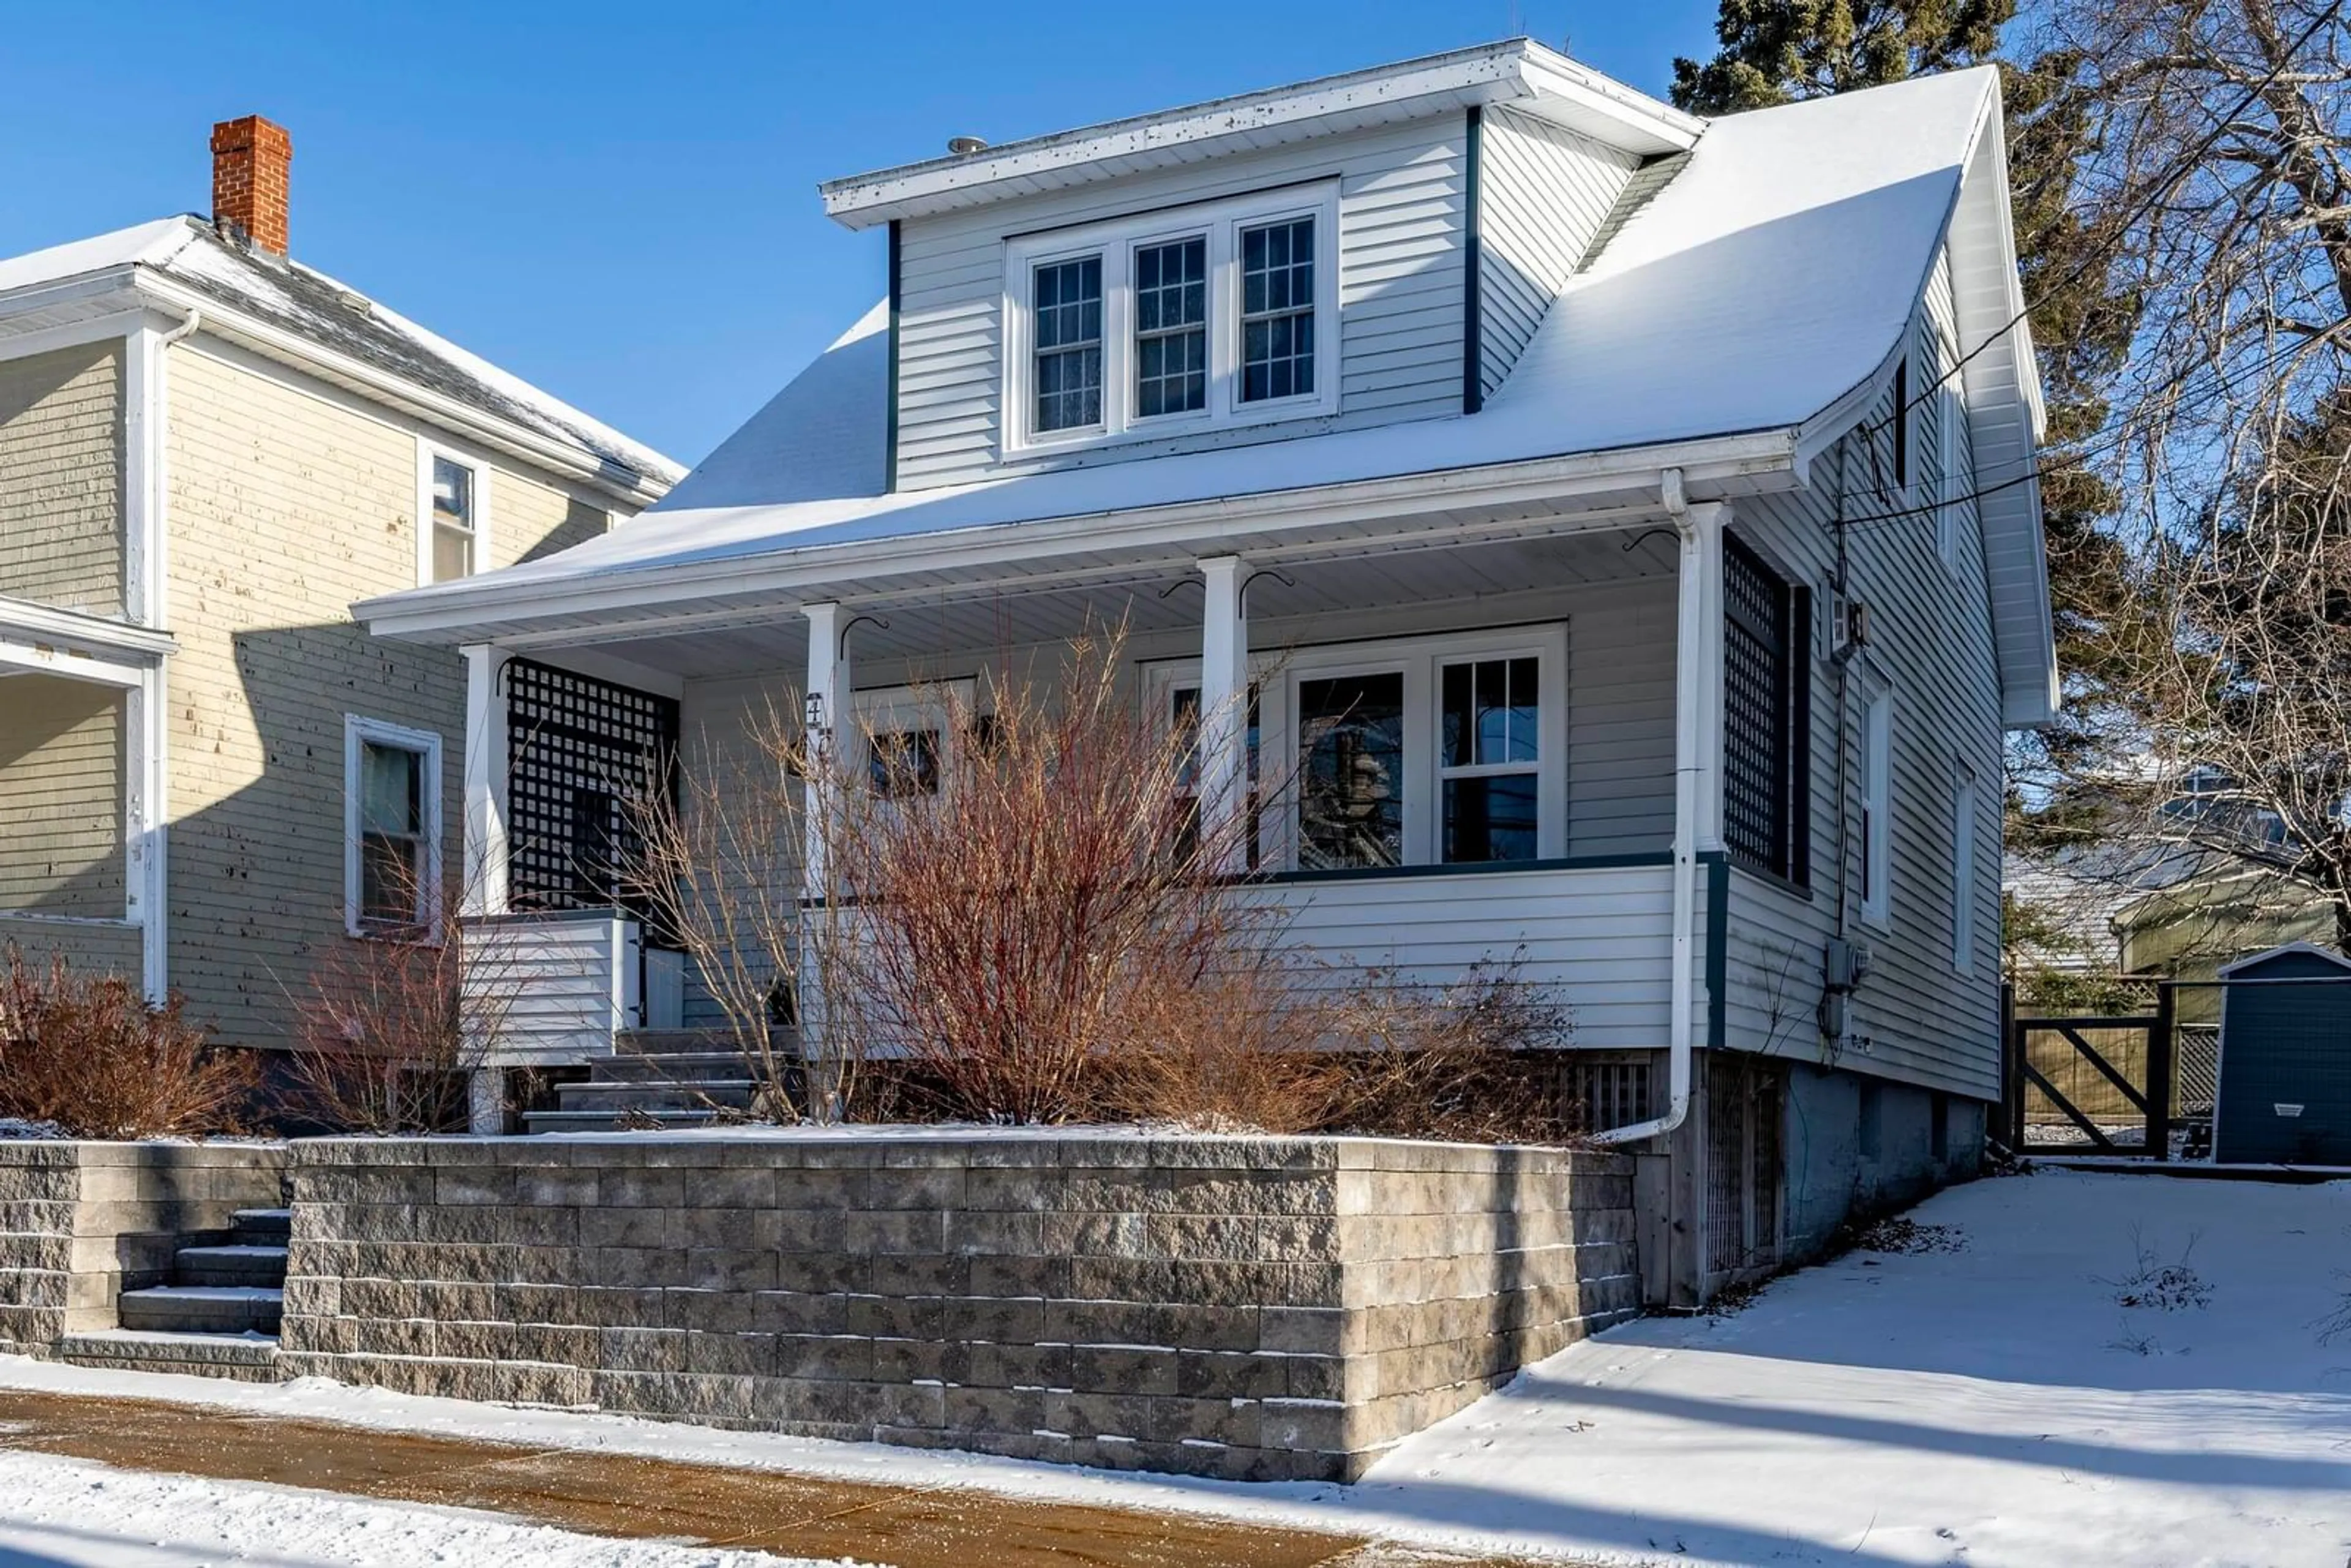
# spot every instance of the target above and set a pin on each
(940, 618)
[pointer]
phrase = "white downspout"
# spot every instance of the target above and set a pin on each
(1689, 691)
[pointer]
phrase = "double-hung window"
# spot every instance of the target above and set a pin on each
(1877, 805)
(1194, 317)
(1766, 717)
(1963, 870)
(1952, 456)
(452, 510)
(1442, 751)
(392, 828)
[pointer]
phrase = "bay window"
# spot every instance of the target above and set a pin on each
(1193, 318)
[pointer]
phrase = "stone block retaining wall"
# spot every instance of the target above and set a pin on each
(1254, 1308)
(81, 1222)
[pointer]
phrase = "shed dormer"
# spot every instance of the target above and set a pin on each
(1356, 250)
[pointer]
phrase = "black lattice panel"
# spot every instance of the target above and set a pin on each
(581, 753)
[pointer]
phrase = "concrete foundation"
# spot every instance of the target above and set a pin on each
(1254, 1308)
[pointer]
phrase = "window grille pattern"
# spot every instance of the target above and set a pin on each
(1069, 316)
(1278, 311)
(1604, 1094)
(580, 753)
(1171, 327)
(1764, 748)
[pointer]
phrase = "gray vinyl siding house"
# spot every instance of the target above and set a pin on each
(1719, 432)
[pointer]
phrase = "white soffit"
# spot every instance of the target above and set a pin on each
(1520, 72)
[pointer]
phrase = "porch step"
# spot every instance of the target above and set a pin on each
(703, 1094)
(674, 1042)
(203, 1308)
(670, 1067)
(244, 1357)
(610, 1120)
(263, 1226)
(232, 1265)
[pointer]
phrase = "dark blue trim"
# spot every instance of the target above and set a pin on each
(1473, 387)
(1717, 946)
(1480, 868)
(890, 418)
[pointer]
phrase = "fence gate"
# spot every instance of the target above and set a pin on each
(2103, 1084)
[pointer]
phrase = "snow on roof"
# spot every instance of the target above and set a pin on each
(820, 438)
(322, 310)
(1775, 274)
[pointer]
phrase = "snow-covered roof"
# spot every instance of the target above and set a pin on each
(1520, 72)
(1767, 284)
(308, 304)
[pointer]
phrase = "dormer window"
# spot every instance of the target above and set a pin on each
(1175, 320)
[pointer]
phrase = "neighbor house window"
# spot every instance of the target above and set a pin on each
(1442, 751)
(1963, 870)
(452, 499)
(392, 855)
(1207, 315)
(1766, 717)
(1877, 808)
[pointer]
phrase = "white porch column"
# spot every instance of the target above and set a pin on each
(1224, 710)
(485, 888)
(146, 807)
(486, 1102)
(829, 705)
(1709, 518)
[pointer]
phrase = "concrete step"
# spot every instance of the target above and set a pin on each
(617, 1097)
(672, 1042)
(610, 1121)
(670, 1067)
(234, 1265)
(202, 1309)
(263, 1226)
(245, 1357)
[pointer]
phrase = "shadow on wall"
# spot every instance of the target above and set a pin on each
(60, 798)
(581, 523)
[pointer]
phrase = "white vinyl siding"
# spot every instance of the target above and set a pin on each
(1543, 192)
(1916, 1018)
(1402, 195)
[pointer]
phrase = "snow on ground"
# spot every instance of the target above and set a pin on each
(1996, 1405)
(63, 1513)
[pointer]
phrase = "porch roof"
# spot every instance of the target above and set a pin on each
(1729, 330)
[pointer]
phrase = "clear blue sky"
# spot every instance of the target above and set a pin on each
(617, 200)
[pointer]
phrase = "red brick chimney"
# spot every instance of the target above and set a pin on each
(250, 157)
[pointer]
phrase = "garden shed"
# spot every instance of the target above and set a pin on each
(2284, 1090)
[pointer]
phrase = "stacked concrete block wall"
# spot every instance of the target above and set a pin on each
(81, 1222)
(1252, 1307)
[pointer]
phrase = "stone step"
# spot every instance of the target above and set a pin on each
(618, 1097)
(672, 1042)
(610, 1122)
(245, 1357)
(670, 1067)
(263, 1226)
(246, 1264)
(202, 1309)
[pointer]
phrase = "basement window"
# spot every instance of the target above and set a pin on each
(1191, 317)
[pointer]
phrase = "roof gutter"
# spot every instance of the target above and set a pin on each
(1754, 461)
(639, 490)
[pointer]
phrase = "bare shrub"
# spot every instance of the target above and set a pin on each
(1054, 904)
(91, 1054)
(389, 1027)
(2166, 1287)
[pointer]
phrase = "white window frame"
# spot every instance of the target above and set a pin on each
(1115, 243)
(1877, 804)
(427, 451)
(1420, 660)
(359, 730)
(1965, 808)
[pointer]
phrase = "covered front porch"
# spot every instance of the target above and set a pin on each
(1495, 736)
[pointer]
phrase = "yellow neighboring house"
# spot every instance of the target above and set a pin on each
(209, 775)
